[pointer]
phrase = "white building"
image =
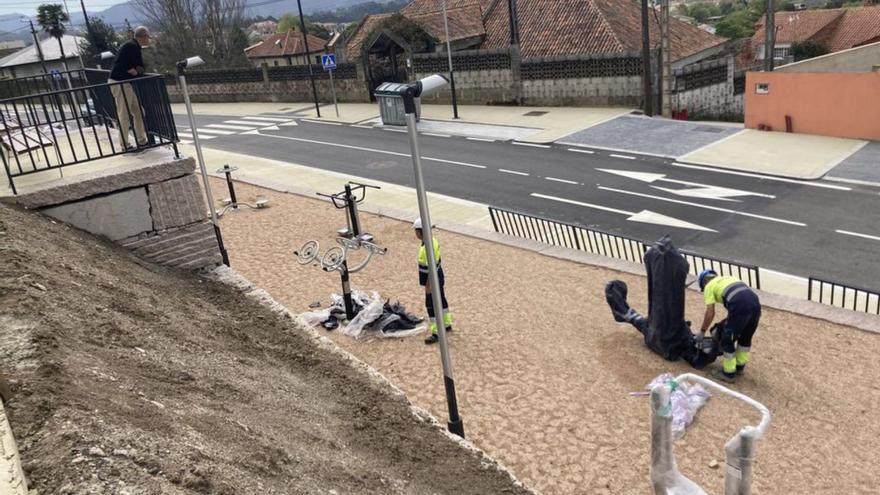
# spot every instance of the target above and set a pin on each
(26, 62)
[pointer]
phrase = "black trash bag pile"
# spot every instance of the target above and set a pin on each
(665, 330)
(372, 316)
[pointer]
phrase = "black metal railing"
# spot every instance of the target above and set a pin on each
(89, 118)
(603, 243)
(843, 296)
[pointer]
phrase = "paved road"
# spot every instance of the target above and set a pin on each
(814, 228)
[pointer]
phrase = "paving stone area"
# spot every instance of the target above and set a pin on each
(652, 136)
(863, 165)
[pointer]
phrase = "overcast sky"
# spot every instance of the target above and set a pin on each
(30, 6)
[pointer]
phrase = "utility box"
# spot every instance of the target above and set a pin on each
(391, 103)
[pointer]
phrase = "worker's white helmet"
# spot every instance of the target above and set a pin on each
(417, 225)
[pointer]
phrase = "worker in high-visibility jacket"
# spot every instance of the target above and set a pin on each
(424, 282)
(743, 315)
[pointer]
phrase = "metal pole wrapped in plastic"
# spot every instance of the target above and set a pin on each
(665, 477)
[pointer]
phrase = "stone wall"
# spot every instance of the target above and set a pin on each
(155, 209)
(709, 91)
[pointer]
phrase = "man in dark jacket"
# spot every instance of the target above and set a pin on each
(129, 64)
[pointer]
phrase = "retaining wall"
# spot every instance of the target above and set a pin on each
(155, 209)
(710, 90)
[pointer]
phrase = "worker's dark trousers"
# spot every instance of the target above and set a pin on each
(429, 299)
(743, 315)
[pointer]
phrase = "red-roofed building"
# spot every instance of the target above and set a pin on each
(286, 49)
(835, 29)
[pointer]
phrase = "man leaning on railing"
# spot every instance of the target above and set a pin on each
(129, 64)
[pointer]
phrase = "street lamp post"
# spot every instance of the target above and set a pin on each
(449, 55)
(409, 92)
(302, 25)
(181, 76)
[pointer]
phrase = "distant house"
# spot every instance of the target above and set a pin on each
(262, 29)
(286, 49)
(835, 29)
(26, 62)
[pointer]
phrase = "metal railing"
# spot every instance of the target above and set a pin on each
(603, 243)
(843, 296)
(87, 118)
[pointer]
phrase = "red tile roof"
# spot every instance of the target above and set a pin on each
(291, 44)
(838, 29)
(550, 28)
(354, 45)
(464, 22)
(427, 6)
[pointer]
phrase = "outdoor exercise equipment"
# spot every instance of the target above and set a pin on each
(739, 450)
(665, 329)
(231, 203)
(349, 239)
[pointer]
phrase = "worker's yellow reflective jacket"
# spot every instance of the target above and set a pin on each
(423, 256)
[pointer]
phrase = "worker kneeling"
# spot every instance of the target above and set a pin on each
(665, 329)
(743, 314)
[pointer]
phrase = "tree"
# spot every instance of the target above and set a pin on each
(738, 24)
(290, 21)
(208, 28)
(51, 17)
(807, 49)
(101, 38)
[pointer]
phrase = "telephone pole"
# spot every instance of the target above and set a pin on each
(37, 45)
(302, 25)
(646, 62)
(770, 37)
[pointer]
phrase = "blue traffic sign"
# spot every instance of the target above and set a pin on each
(55, 73)
(328, 61)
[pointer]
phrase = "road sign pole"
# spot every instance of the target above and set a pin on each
(333, 91)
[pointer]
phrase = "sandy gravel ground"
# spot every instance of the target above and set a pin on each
(543, 372)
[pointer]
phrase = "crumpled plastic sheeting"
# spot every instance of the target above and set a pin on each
(685, 400)
(368, 321)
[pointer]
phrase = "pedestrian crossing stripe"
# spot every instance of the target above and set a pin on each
(267, 119)
(218, 132)
(232, 127)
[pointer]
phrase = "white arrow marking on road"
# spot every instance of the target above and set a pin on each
(702, 191)
(644, 216)
(255, 131)
(290, 124)
(707, 207)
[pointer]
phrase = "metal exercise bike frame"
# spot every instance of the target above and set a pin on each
(350, 238)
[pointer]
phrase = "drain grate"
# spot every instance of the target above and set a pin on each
(535, 113)
(708, 128)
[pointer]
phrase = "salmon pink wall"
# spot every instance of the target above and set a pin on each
(840, 104)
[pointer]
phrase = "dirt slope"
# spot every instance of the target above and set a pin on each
(133, 379)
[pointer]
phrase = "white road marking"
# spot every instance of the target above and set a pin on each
(321, 122)
(707, 207)
(588, 152)
(202, 130)
(187, 136)
(701, 191)
(361, 148)
(644, 216)
(183, 141)
(242, 122)
(267, 119)
(625, 157)
(393, 130)
(514, 172)
(760, 176)
(292, 123)
(270, 128)
(856, 234)
(233, 127)
(436, 135)
(533, 145)
(363, 126)
(481, 139)
(554, 179)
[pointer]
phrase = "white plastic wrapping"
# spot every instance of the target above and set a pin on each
(360, 326)
(685, 400)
